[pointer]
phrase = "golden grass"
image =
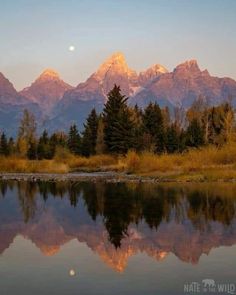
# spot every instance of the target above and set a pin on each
(14, 164)
(98, 162)
(205, 164)
(63, 162)
(77, 163)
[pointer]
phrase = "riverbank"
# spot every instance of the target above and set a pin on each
(113, 177)
(208, 164)
(81, 176)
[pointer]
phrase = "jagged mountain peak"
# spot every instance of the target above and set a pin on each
(5, 84)
(157, 68)
(189, 65)
(115, 64)
(64, 104)
(117, 57)
(48, 74)
(46, 90)
(8, 94)
(184, 85)
(151, 73)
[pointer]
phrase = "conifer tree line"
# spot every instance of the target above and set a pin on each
(121, 128)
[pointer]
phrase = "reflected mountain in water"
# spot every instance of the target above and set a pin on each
(117, 221)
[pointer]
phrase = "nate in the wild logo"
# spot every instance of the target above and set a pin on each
(210, 286)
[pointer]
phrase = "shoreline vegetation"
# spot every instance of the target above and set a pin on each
(198, 144)
(204, 164)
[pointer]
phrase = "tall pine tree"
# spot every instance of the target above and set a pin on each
(153, 125)
(44, 149)
(137, 120)
(118, 126)
(74, 140)
(88, 146)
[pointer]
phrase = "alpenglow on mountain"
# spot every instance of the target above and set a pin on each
(47, 90)
(57, 105)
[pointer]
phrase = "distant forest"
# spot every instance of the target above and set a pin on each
(120, 128)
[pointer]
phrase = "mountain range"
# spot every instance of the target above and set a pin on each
(57, 104)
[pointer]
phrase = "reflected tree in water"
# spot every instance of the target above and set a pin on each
(27, 199)
(123, 204)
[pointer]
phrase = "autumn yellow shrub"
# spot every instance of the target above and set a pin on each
(63, 155)
(132, 161)
(12, 164)
(79, 162)
(102, 160)
(190, 161)
(47, 166)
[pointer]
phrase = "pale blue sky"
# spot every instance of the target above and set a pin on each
(36, 34)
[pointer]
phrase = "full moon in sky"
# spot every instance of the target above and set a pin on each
(72, 272)
(72, 48)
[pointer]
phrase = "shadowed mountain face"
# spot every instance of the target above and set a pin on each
(8, 94)
(12, 105)
(117, 221)
(62, 105)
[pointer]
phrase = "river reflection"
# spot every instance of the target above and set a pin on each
(119, 221)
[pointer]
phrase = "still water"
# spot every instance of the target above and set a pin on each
(103, 238)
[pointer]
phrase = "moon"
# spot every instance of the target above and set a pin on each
(71, 48)
(72, 273)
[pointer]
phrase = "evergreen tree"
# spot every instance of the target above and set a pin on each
(166, 124)
(118, 127)
(172, 139)
(153, 125)
(182, 140)
(4, 148)
(57, 139)
(194, 134)
(44, 149)
(88, 146)
(74, 140)
(32, 150)
(137, 121)
(11, 146)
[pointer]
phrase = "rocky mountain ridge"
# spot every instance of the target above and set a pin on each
(58, 104)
